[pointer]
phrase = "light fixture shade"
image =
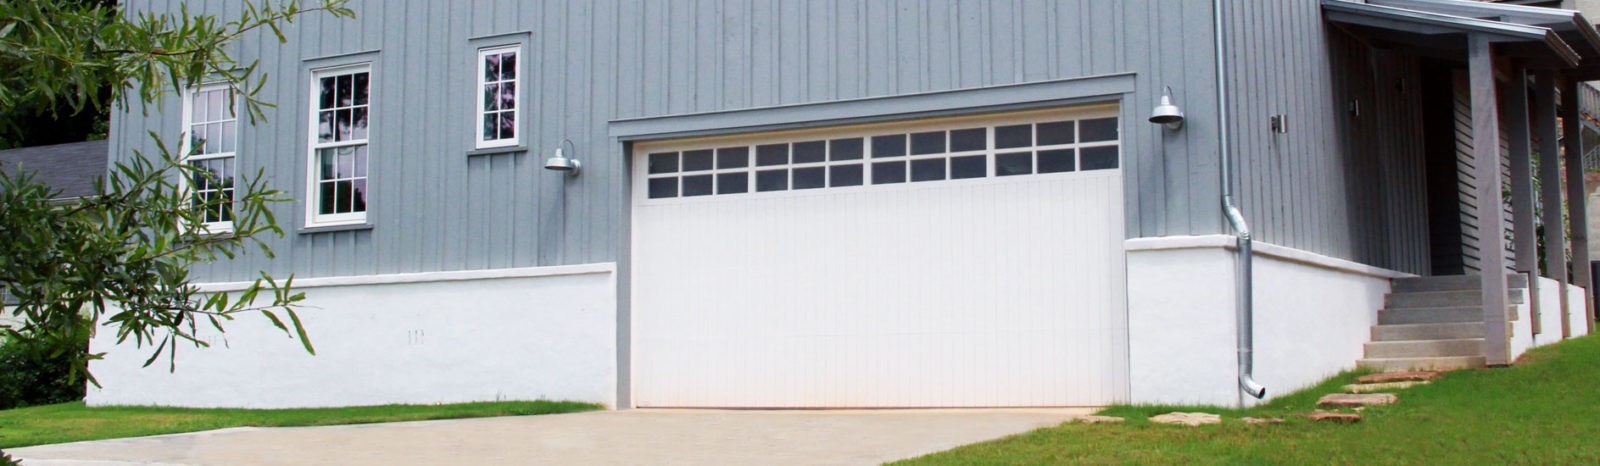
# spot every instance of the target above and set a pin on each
(559, 162)
(1166, 113)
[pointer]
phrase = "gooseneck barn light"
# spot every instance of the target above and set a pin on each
(1166, 113)
(559, 161)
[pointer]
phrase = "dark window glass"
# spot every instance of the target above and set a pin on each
(772, 154)
(326, 102)
(772, 180)
(1013, 136)
(663, 187)
(1055, 161)
(699, 185)
(809, 151)
(361, 88)
(664, 162)
(733, 157)
(343, 98)
(1101, 129)
(1099, 158)
(844, 149)
(844, 175)
(807, 178)
(696, 160)
(491, 67)
(325, 202)
(1059, 132)
(962, 140)
(927, 143)
(733, 183)
(508, 68)
(888, 172)
(971, 166)
(927, 170)
(1020, 163)
(888, 146)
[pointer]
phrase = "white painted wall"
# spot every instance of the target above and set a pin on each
(515, 334)
(1313, 313)
(1579, 322)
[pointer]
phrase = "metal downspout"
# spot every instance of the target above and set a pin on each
(1245, 291)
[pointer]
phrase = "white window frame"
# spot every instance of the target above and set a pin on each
(185, 145)
(313, 100)
(516, 111)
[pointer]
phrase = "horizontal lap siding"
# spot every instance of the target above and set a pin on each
(434, 208)
(1336, 183)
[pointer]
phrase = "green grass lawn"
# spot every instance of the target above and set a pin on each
(1544, 410)
(72, 422)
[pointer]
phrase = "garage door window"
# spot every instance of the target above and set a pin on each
(1035, 148)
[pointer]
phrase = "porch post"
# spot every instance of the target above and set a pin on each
(1555, 239)
(1526, 244)
(1577, 213)
(1491, 220)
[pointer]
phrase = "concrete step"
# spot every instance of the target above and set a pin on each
(1452, 283)
(1451, 298)
(1424, 348)
(1431, 364)
(1444, 331)
(1430, 315)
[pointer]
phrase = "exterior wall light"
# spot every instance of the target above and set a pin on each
(559, 161)
(1166, 113)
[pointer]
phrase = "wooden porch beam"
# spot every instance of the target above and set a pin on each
(1555, 239)
(1524, 240)
(1577, 213)
(1491, 220)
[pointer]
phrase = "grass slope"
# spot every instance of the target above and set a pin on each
(1544, 410)
(72, 422)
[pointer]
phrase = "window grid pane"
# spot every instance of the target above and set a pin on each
(498, 86)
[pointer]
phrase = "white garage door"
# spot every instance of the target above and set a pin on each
(943, 263)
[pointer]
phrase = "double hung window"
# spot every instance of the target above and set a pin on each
(211, 123)
(340, 114)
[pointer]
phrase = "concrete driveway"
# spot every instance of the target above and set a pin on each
(646, 436)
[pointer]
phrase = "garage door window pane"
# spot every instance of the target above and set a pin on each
(1020, 163)
(772, 154)
(1056, 161)
(663, 188)
(888, 172)
(927, 143)
(733, 183)
(927, 170)
(1013, 136)
(699, 185)
(845, 149)
(1100, 158)
(844, 175)
(733, 157)
(1101, 129)
(972, 166)
(969, 139)
(697, 160)
(664, 162)
(809, 178)
(772, 180)
(1059, 132)
(809, 152)
(889, 146)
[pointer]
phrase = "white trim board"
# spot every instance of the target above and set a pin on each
(426, 277)
(1229, 242)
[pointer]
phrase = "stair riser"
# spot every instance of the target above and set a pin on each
(1466, 298)
(1429, 316)
(1438, 364)
(1452, 283)
(1425, 348)
(1427, 331)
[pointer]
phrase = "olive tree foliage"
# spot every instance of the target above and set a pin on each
(121, 258)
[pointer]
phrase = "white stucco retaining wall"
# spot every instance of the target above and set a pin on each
(1313, 313)
(511, 334)
(1579, 318)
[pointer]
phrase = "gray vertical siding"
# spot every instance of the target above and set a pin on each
(590, 62)
(1337, 183)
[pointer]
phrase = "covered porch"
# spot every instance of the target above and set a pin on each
(1497, 86)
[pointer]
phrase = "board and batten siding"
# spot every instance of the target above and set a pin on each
(1338, 183)
(434, 208)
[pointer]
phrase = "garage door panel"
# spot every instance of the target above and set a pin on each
(984, 292)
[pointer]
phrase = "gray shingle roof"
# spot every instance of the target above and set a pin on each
(70, 168)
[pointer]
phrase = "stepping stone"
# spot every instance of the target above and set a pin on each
(1382, 386)
(1352, 400)
(1384, 377)
(1097, 419)
(1188, 419)
(1342, 418)
(1261, 420)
